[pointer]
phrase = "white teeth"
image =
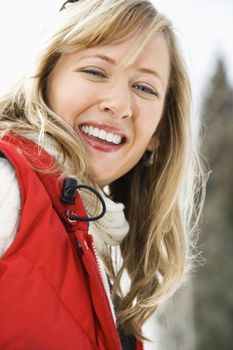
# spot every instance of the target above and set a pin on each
(101, 134)
(96, 132)
(109, 137)
(116, 139)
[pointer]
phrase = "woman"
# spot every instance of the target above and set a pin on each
(107, 104)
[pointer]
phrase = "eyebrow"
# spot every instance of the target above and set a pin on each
(103, 57)
(150, 71)
(113, 62)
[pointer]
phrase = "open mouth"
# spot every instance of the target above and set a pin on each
(103, 136)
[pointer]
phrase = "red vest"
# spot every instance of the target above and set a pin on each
(51, 293)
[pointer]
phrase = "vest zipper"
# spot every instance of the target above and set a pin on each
(111, 306)
(141, 346)
(97, 260)
(99, 269)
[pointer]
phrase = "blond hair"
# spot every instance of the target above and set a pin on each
(163, 202)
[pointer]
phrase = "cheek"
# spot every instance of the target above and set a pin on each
(150, 113)
(59, 95)
(148, 124)
(67, 98)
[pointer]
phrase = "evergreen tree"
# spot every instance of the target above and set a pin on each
(214, 281)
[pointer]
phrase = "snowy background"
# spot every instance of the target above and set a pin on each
(204, 28)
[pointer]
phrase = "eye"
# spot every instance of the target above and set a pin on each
(145, 89)
(95, 72)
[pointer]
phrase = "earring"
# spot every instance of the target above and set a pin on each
(149, 158)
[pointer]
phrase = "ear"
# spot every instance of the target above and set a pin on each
(153, 144)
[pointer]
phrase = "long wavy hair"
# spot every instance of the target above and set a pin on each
(163, 202)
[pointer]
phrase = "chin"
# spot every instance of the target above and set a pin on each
(102, 181)
(100, 176)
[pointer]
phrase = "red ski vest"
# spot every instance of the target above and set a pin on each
(51, 292)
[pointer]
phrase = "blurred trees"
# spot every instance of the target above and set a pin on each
(200, 315)
(213, 288)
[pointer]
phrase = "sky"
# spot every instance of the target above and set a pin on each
(204, 28)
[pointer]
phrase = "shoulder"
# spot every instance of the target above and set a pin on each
(10, 204)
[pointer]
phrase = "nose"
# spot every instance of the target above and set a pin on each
(117, 102)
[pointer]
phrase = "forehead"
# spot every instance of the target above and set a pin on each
(153, 56)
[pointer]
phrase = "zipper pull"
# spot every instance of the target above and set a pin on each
(69, 190)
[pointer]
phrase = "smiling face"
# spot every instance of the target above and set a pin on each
(114, 109)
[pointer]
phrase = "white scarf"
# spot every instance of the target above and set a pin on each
(111, 229)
